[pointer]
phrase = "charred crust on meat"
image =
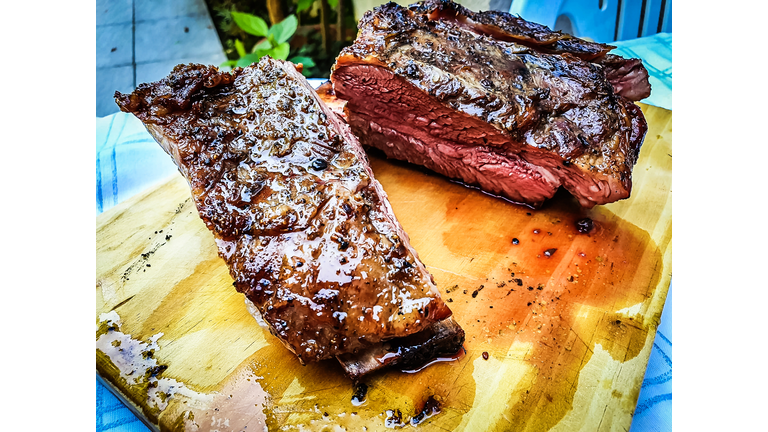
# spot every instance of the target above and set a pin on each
(287, 191)
(550, 106)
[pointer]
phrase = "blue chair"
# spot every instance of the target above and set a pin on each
(603, 21)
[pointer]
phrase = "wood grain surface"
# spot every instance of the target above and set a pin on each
(566, 319)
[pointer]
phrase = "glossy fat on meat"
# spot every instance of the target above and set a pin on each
(502, 26)
(441, 339)
(307, 232)
(511, 107)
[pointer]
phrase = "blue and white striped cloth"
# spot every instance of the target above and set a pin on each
(128, 161)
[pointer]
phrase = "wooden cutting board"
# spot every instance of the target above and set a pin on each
(566, 319)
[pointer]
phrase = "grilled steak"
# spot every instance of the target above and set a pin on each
(307, 232)
(494, 101)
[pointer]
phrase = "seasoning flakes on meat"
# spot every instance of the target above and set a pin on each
(307, 232)
(495, 101)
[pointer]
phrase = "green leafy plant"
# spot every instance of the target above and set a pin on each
(274, 43)
(302, 5)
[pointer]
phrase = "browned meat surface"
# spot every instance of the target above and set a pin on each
(628, 77)
(494, 101)
(307, 232)
(505, 27)
(411, 352)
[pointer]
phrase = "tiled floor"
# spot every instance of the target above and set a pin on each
(140, 41)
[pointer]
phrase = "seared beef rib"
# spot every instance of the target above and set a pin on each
(495, 101)
(307, 232)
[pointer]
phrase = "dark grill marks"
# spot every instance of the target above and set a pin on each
(493, 101)
(286, 189)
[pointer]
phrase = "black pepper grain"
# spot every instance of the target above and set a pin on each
(319, 164)
(584, 225)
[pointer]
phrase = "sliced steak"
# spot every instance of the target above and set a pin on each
(511, 107)
(307, 232)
